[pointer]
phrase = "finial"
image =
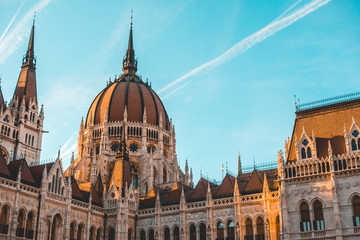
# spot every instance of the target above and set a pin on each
(254, 164)
(131, 23)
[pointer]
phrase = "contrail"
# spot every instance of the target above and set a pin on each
(10, 43)
(171, 93)
(288, 10)
(12, 20)
(253, 39)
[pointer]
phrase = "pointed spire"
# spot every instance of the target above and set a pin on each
(129, 62)
(29, 59)
(239, 165)
(26, 85)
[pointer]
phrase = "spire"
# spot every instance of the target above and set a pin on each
(29, 58)
(26, 85)
(129, 62)
(239, 165)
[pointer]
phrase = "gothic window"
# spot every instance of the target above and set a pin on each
(260, 228)
(80, 232)
(151, 149)
(220, 230)
(4, 220)
(176, 233)
(29, 233)
(319, 216)
(92, 233)
(192, 232)
(249, 232)
(26, 137)
(166, 233)
(202, 231)
(56, 227)
(164, 174)
(309, 152)
(305, 217)
(6, 118)
(356, 209)
(133, 147)
(21, 222)
(355, 140)
(151, 234)
(303, 153)
(353, 145)
(277, 228)
(98, 234)
(115, 147)
(142, 235)
(230, 230)
(97, 149)
(111, 234)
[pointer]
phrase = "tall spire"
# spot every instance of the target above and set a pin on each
(26, 85)
(29, 58)
(129, 62)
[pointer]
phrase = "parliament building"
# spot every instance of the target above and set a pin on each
(125, 182)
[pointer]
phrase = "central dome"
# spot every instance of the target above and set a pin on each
(129, 92)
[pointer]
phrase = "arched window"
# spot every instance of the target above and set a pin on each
(151, 234)
(80, 232)
(303, 153)
(164, 174)
(309, 152)
(111, 234)
(176, 233)
(130, 234)
(142, 235)
(319, 223)
(356, 209)
(353, 145)
(29, 231)
(230, 230)
(21, 222)
(192, 232)
(92, 233)
(72, 230)
(249, 232)
(4, 220)
(220, 230)
(260, 228)
(56, 230)
(166, 233)
(305, 217)
(277, 228)
(98, 234)
(202, 231)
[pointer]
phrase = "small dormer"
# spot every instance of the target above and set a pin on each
(306, 146)
(352, 139)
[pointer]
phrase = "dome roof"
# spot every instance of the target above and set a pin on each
(131, 92)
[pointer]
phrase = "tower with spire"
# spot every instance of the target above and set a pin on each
(22, 119)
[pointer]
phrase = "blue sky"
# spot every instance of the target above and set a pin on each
(245, 103)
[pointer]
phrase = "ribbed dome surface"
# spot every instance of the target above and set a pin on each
(127, 91)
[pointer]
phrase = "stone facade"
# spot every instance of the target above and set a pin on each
(125, 182)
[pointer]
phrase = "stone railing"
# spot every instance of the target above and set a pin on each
(315, 166)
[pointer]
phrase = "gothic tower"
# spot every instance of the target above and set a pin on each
(21, 120)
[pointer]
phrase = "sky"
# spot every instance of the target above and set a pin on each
(227, 72)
